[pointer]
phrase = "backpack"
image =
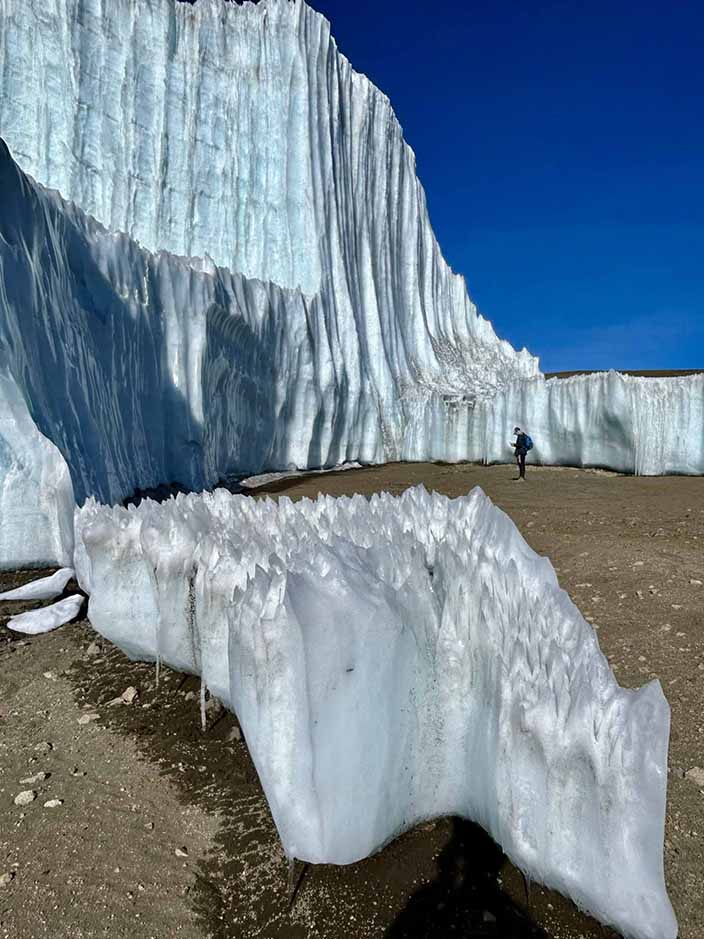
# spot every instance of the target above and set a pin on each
(529, 442)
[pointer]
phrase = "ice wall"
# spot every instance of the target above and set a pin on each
(646, 426)
(242, 134)
(453, 677)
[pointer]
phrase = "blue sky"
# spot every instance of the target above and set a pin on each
(561, 147)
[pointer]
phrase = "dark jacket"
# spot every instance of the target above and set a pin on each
(521, 444)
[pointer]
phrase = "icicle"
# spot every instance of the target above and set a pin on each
(203, 723)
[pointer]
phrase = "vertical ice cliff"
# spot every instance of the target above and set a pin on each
(454, 677)
(242, 134)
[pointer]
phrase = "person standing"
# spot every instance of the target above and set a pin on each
(520, 447)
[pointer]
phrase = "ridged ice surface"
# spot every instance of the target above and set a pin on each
(397, 659)
(241, 133)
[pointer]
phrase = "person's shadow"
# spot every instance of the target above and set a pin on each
(465, 899)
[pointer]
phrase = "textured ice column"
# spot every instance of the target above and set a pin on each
(36, 496)
(392, 660)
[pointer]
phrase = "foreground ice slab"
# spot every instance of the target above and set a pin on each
(47, 618)
(46, 588)
(395, 660)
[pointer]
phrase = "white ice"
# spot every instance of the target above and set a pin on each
(47, 618)
(397, 659)
(46, 588)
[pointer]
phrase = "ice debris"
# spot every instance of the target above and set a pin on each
(46, 588)
(47, 618)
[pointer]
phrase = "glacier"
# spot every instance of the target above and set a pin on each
(217, 260)
(394, 660)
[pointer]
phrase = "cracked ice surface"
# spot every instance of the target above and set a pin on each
(397, 659)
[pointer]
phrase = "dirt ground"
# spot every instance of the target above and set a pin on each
(163, 830)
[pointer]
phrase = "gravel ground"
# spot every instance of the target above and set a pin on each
(163, 831)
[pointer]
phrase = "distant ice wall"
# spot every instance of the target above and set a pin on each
(646, 426)
(454, 677)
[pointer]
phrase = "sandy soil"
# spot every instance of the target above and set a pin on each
(142, 781)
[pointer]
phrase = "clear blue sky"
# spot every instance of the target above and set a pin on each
(561, 147)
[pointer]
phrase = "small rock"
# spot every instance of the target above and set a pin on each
(190, 696)
(50, 675)
(25, 797)
(87, 718)
(488, 917)
(94, 649)
(181, 852)
(214, 706)
(696, 775)
(639, 594)
(695, 583)
(78, 772)
(676, 606)
(149, 826)
(44, 747)
(234, 734)
(129, 695)
(7, 878)
(53, 803)
(33, 780)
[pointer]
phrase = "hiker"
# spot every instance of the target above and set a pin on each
(522, 445)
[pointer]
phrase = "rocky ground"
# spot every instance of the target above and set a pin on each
(138, 824)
